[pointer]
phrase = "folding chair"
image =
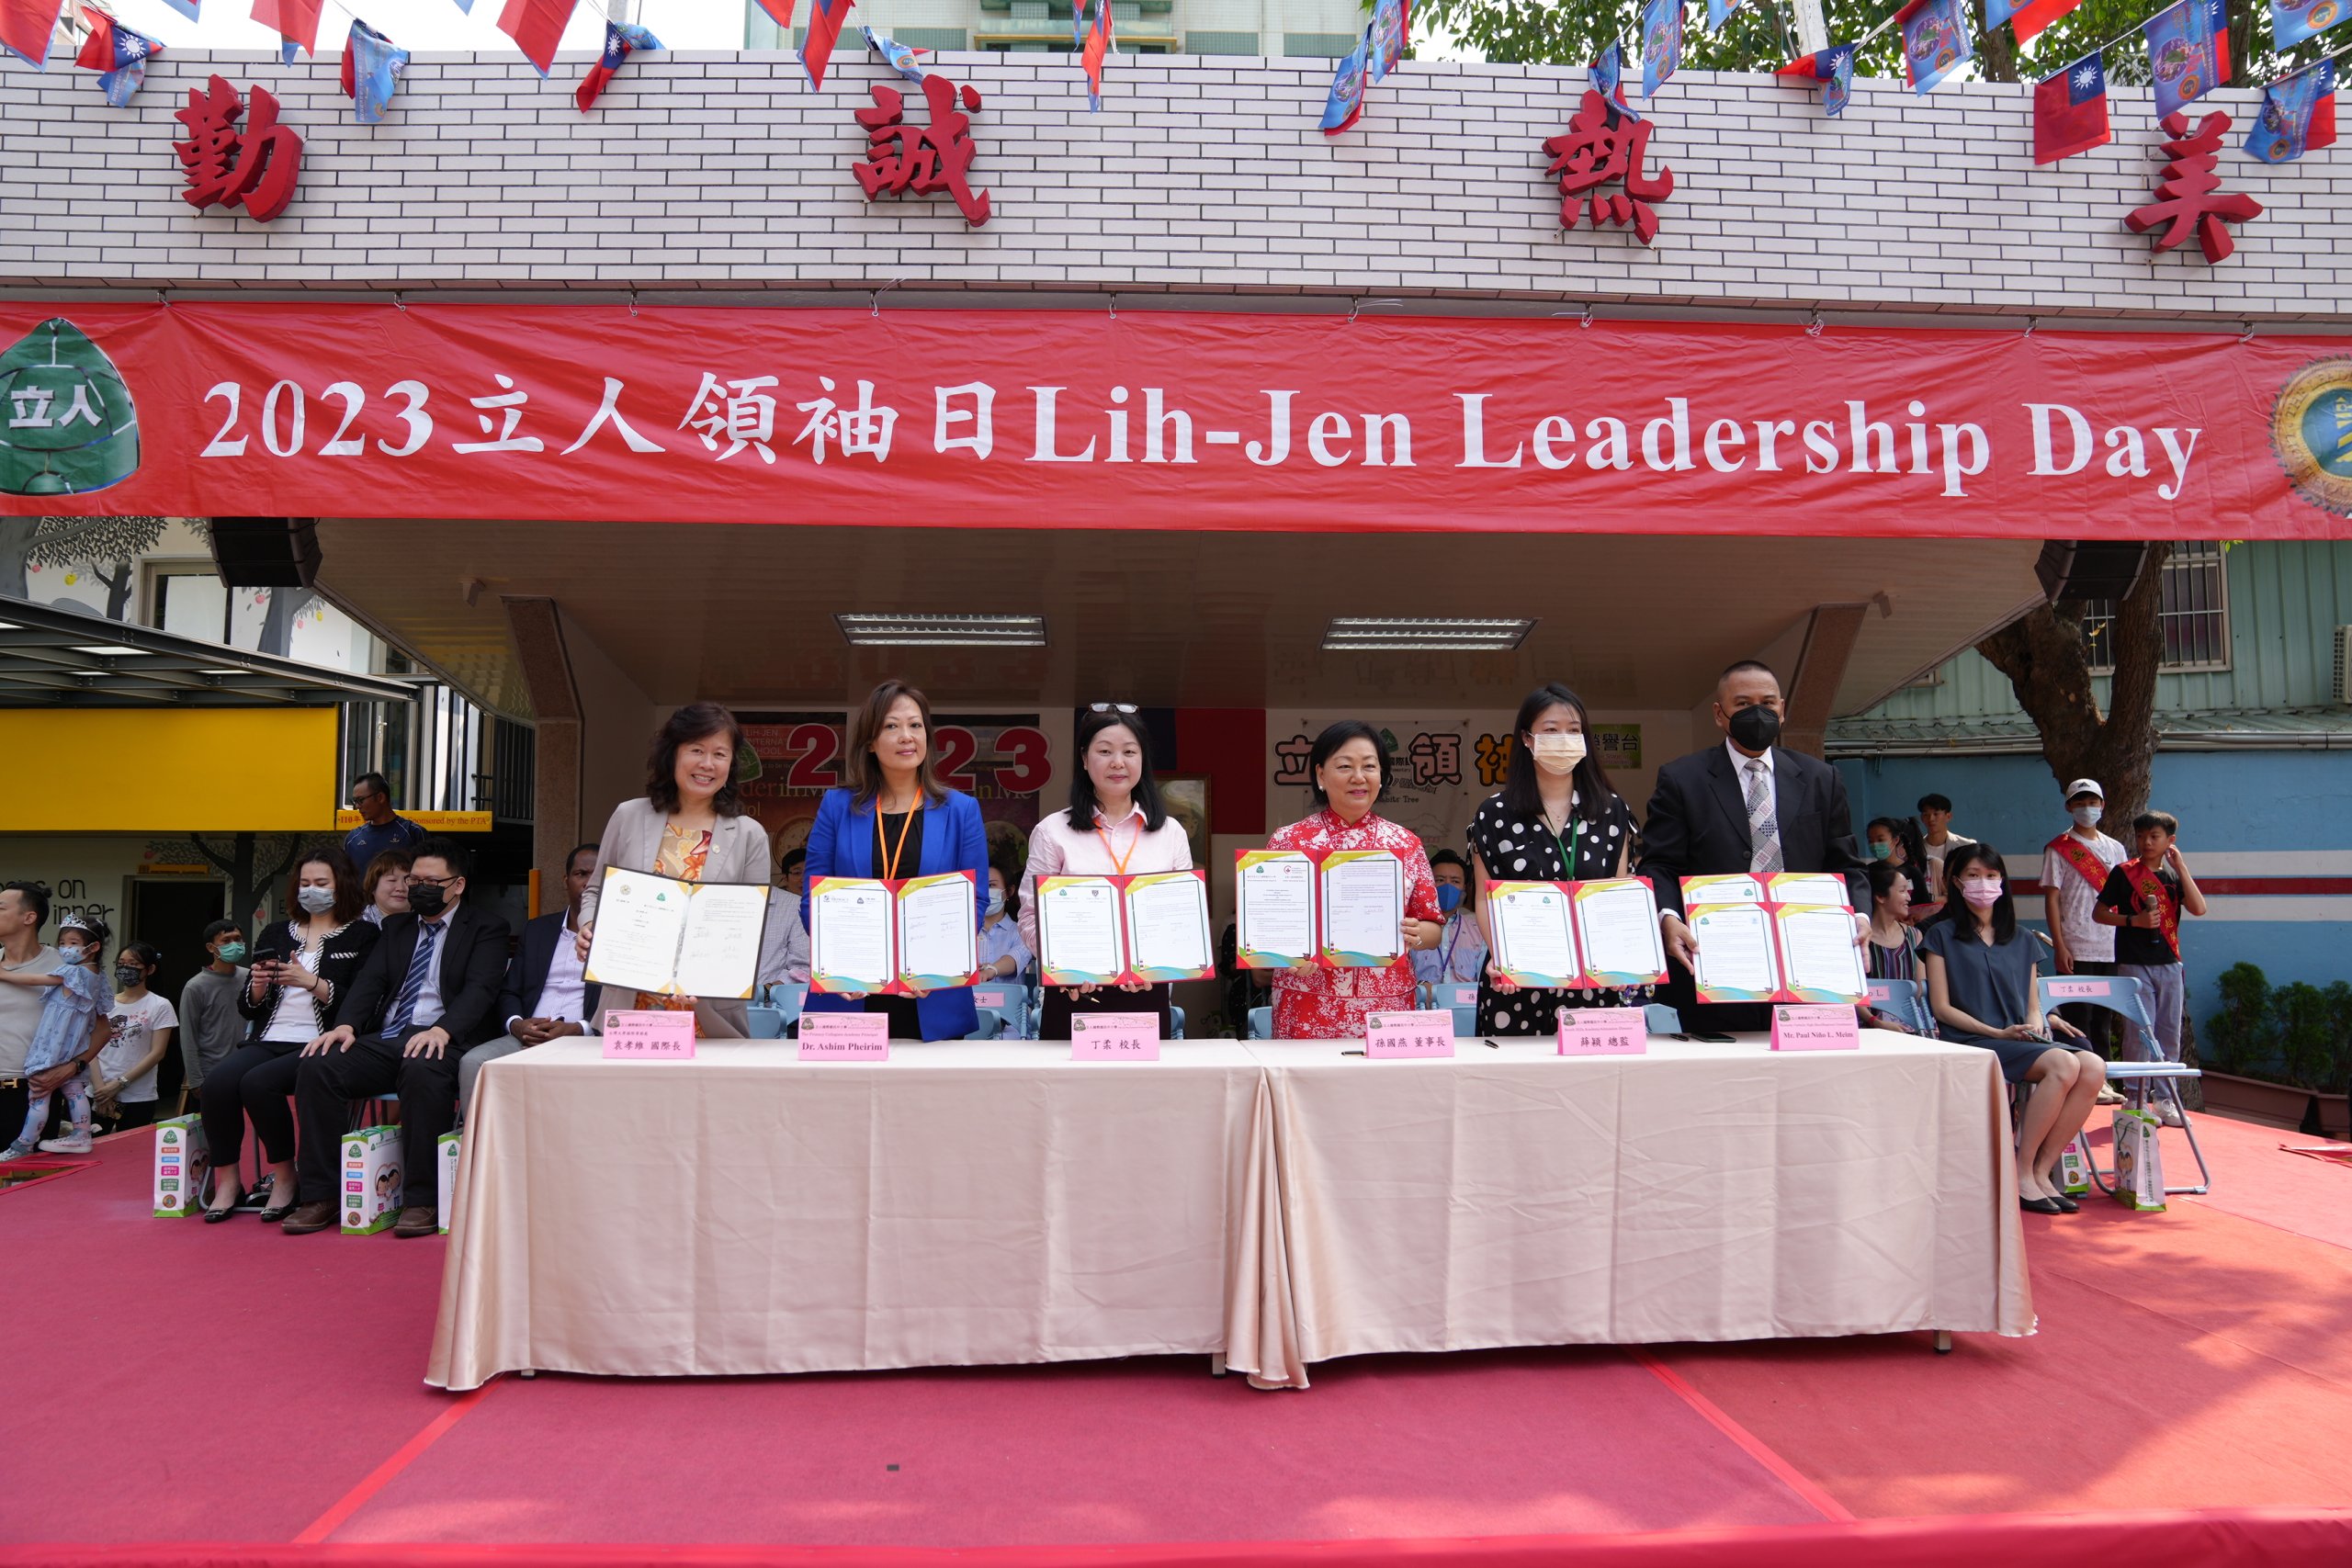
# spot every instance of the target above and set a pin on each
(766, 1023)
(991, 1025)
(1262, 1023)
(1465, 1019)
(1175, 1022)
(1904, 1001)
(1660, 1019)
(2139, 1081)
(788, 997)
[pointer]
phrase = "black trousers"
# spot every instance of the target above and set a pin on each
(132, 1113)
(1059, 1005)
(329, 1082)
(256, 1079)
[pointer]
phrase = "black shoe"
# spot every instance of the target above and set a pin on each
(272, 1216)
(2040, 1205)
(214, 1216)
(2066, 1205)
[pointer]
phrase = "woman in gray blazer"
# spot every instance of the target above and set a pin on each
(691, 827)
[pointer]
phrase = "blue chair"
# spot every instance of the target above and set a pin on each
(766, 1023)
(1262, 1023)
(1175, 1022)
(1465, 1020)
(991, 1025)
(788, 997)
(1661, 1018)
(2139, 1081)
(2117, 993)
(1904, 1001)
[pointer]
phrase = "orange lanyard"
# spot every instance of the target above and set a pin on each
(1118, 860)
(890, 861)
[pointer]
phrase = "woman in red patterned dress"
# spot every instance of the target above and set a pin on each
(1349, 765)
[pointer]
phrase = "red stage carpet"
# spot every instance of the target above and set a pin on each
(223, 1394)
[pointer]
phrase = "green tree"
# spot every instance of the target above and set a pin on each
(111, 544)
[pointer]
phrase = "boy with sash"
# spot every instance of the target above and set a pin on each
(2144, 900)
(2075, 867)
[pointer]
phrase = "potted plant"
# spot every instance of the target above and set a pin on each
(2249, 1050)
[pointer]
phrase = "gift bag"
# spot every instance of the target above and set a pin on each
(371, 1179)
(2073, 1171)
(2138, 1161)
(180, 1165)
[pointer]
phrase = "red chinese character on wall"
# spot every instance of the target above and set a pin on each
(2190, 198)
(256, 166)
(1601, 145)
(918, 158)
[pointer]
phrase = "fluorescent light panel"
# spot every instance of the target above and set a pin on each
(941, 631)
(95, 651)
(1371, 633)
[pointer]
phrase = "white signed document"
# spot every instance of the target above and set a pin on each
(850, 939)
(1362, 896)
(1735, 953)
(1534, 932)
(1077, 930)
(1274, 907)
(1617, 928)
(669, 938)
(1167, 927)
(939, 931)
(1820, 959)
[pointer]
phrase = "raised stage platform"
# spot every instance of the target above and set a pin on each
(182, 1393)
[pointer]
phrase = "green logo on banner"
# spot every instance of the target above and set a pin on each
(66, 423)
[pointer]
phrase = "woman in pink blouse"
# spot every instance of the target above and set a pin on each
(1117, 826)
(1349, 766)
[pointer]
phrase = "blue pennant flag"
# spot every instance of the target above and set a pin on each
(1937, 41)
(1719, 11)
(2188, 52)
(1661, 44)
(899, 57)
(185, 8)
(1345, 103)
(2298, 114)
(119, 54)
(1607, 77)
(1392, 25)
(2292, 21)
(372, 64)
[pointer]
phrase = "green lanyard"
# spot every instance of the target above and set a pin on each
(1569, 845)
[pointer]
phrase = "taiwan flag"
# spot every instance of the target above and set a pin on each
(621, 40)
(1661, 44)
(536, 27)
(780, 13)
(824, 28)
(118, 52)
(1607, 77)
(2026, 17)
(2292, 21)
(2188, 52)
(296, 22)
(2070, 111)
(1344, 103)
(2298, 114)
(1936, 41)
(1097, 48)
(26, 27)
(1833, 67)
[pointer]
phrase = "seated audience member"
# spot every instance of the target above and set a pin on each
(71, 1032)
(783, 945)
(547, 990)
(384, 887)
(1460, 956)
(2145, 899)
(122, 1081)
(1895, 840)
(1003, 956)
(1891, 952)
(210, 1026)
(1980, 973)
(303, 969)
(1938, 840)
(428, 993)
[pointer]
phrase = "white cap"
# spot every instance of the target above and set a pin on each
(2086, 787)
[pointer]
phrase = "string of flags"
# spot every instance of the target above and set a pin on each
(621, 40)
(1377, 50)
(372, 65)
(118, 52)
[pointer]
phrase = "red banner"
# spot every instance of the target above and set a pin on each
(1167, 420)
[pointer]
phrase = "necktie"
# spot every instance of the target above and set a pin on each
(420, 964)
(1763, 828)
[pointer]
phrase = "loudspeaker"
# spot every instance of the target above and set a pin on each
(2089, 568)
(266, 552)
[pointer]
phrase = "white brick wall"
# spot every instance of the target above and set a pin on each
(722, 170)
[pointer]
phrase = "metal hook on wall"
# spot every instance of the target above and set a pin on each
(1814, 327)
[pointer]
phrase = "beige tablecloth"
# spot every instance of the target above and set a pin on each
(1512, 1197)
(973, 1204)
(964, 1204)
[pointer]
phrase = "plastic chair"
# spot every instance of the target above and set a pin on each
(1662, 1019)
(1904, 1001)
(766, 1023)
(991, 1025)
(1465, 1020)
(788, 997)
(2139, 1081)
(1175, 1022)
(1262, 1023)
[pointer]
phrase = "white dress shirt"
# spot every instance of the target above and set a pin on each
(564, 993)
(783, 945)
(427, 1011)
(1739, 762)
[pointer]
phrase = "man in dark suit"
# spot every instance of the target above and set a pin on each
(546, 994)
(427, 991)
(1746, 806)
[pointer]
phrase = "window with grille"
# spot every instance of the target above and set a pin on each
(2195, 613)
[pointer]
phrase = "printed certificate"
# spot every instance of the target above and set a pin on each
(669, 938)
(1819, 961)
(1736, 961)
(1274, 906)
(939, 931)
(1362, 896)
(1617, 931)
(1533, 926)
(1811, 888)
(1077, 931)
(851, 949)
(1167, 927)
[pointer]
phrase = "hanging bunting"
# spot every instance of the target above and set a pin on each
(2070, 111)
(779, 12)
(118, 52)
(1719, 11)
(2188, 52)
(1833, 67)
(1935, 41)
(26, 27)
(621, 40)
(2298, 114)
(296, 22)
(2028, 17)
(1392, 27)
(1661, 44)
(1345, 103)
(824, 31)
(1094, 50)
(536, 27)
(905, 59)
(1607, 77)
(2292, 21)
(372, 65)
(185, 8)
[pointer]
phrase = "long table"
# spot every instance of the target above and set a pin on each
(1275, 1204)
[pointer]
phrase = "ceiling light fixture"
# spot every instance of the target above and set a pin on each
(1381, 634)
(96, 652)
(941, 631)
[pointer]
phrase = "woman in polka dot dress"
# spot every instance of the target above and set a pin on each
(1555, 820)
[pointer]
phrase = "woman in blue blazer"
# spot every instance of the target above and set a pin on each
(896, 819)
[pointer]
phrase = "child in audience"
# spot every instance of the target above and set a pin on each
(123, 1081)
(75, 1008)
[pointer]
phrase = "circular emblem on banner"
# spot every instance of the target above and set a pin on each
(66, 423)
(2310, 429)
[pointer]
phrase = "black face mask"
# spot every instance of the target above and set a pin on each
(1754, 728)
(126, 975)
(428, 899)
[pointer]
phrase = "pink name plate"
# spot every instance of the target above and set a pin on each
(1409, 1034)
(1815, 1027)
(844, 1037)
(2099, 988)
(648, 1036)
(1114, 1037)
(1604, 1032)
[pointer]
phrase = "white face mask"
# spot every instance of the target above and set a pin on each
(1556, 754)
(996, 901)
(2086, 815)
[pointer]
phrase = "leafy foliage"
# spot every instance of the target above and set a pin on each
(2298, 1034)
(60, 541)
